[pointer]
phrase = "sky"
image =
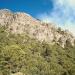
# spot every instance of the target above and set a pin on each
(59, 12)
(32, 7)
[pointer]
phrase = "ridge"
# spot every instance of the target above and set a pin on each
(20, 22)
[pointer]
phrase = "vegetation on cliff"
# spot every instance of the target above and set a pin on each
(20, 53)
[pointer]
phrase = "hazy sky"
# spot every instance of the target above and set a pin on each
(60, 12)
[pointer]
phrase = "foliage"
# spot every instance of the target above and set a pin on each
(20, 53)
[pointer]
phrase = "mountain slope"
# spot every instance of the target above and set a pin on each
(21, 54)
(31, 47)
(19, 23)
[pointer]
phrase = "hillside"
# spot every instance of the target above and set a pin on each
(31, 47)
(19, 23)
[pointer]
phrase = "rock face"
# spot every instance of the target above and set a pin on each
(19, 23)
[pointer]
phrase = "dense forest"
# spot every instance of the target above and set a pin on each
(20, 53)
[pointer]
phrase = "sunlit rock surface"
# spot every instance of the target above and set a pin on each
(21, 22)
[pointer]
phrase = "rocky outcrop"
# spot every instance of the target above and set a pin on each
(21, 22)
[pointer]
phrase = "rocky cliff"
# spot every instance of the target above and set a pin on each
(20, 22)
